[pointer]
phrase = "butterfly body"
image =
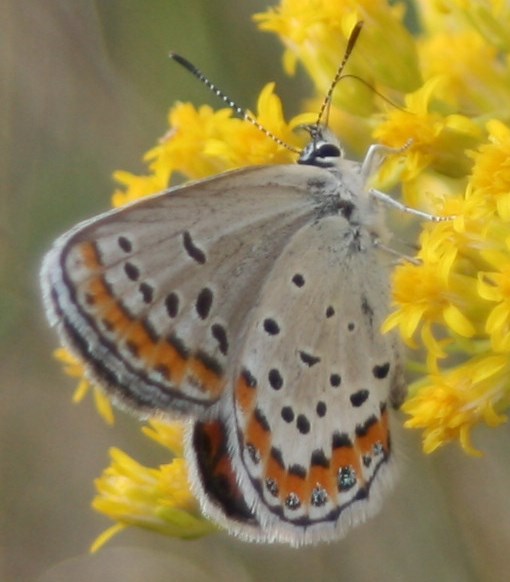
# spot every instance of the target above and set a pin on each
(249, 304)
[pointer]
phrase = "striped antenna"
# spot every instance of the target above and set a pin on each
(230, 102)
(351, 42)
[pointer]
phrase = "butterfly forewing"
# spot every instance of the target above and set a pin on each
(154, 297)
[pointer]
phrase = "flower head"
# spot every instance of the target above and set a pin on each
(158, 499)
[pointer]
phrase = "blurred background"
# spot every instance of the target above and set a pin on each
(84, 90)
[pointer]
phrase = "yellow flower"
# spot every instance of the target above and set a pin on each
(495, 287)
(489, 18)
(137, 186)
(448, 405)
(491, 173)
(462, 287)
(468, 84)
(315, 33)
(74, 368)
(202, 142)
(438, 142)
(156, 499)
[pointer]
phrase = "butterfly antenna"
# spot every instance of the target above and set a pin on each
(351, 42)
(374, 90)
(230, 102)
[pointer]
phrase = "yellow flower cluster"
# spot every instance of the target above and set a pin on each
(458, 302)
(156, 499)
(450, 88)
(203, 142)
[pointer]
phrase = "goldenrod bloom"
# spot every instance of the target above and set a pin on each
(74, 368)
(156, 499)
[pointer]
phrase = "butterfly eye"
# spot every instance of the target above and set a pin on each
(328, 150)
(320, 153)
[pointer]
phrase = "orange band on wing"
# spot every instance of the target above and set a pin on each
(275, 471)
(258, 436)
(345, 456)
(208, 379)
(376, 433)
(245, 395)
(154, 353)
(89, 255)
(296, 484)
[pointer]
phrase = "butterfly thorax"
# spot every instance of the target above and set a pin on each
(349, 197)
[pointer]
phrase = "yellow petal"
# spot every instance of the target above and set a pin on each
(457, 321)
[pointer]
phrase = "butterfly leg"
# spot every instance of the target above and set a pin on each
(403, 208)
(401, 257)
(375, 156)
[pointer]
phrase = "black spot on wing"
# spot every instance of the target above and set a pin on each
(191, 248)
(275, 379)
(147, 292)
(125, 244)
(298, 471)
(172, 304)
(276, 455)
(132, 271)
(335, 380)
(319, 459)
(179, 346)
(298, 280)
(271, 326)
(309, 359)
(287, 414)
(209, 362)
(340, 439)
(359, 397)
(321, 409)
(303, 424)
(261, 419)
(204, 302)
(380, 372)
(249, 378)
(220, 335)
(362, 429)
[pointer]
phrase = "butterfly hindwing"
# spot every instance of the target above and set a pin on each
(310, 435)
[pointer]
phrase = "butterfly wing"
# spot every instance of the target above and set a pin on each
(154, 297)
(309, 440)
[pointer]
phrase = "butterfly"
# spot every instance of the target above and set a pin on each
(249, 305)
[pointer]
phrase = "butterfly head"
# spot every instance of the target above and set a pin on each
(323, 150)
